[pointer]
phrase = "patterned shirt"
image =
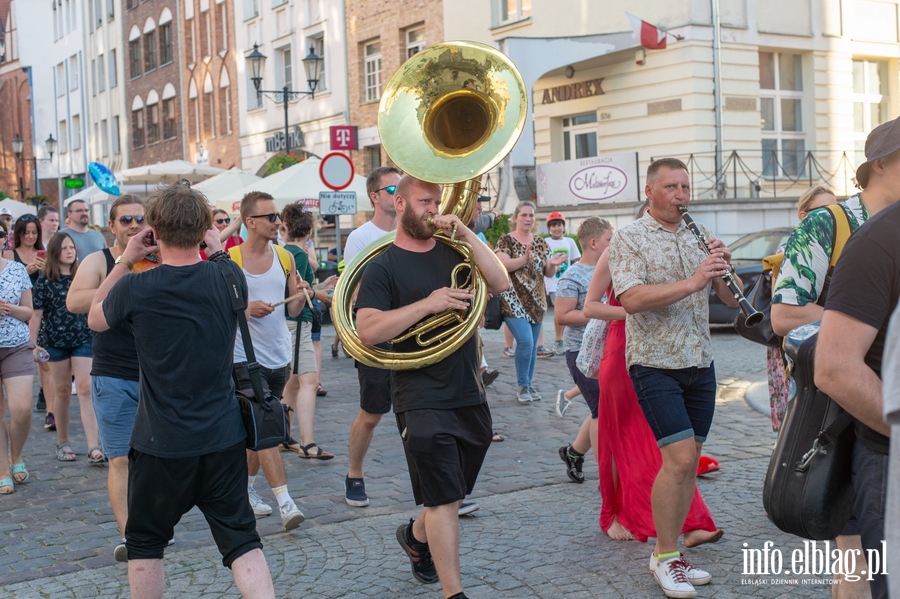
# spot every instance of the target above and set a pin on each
(575, 284)
(13, 282)
(526, 297)
(808, 253)
(676, 336)
(59, 327)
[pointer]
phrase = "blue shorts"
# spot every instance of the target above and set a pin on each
(115, 405)
(57, 354)
(590, 388)
(678, 404)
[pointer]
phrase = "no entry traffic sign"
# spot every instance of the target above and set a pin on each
(336, 171)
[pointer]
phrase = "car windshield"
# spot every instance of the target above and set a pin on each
(759, 245)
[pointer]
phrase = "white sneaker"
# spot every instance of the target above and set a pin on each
(291, 516)
(524, 395)
(562, 404)
(535, 396)
(695, 575)
(467, 507)
(260, 507)
(672, 578)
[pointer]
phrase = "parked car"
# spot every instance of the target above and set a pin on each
(746, 258)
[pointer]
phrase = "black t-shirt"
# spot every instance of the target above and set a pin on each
(866, 286)
(59, 328)
(184, 328)
(114, 352)
(398, 278)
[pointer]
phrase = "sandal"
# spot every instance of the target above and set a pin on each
(321, 391)
(92, 456)
(334, 350)
(19, 469)
(497, 438)
(64, 453)
(707, 465)
(319, 455)
(7, 483)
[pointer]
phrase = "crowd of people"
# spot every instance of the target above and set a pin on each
(109, 317)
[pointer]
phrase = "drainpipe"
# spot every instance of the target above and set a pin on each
(717, 96)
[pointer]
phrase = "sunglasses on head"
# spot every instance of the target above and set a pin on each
(391, 189)
(223, 221)
(28, 218)
(126, 220)
(272, 216)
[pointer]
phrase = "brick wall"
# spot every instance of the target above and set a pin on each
(15, 119)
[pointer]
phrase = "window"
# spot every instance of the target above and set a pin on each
(101, 73)
(222, 28)
(415, 41)
(55, 22)
(129, 4)
(63, 143)
(165, 43)
(372, 157)
(95, 145)
(225, 102)
(373, 71)
(189, 41)
(76, 132)
(73, 73)
(870, 101)
(781, 112)
(251, 9)
(110, 10)
(193, 113)
(93, 77)
(284, 69)
(60, 80)
(580, 136)
(205, 32)
(318, 46)
(511, 10)
(209, 115)
(98, 12)
(276, 3)
(150, 51)
(137, 128)
(115, 136)
(134, 52)
(169, 118)
(104, 138)
(113, 73)
(91, 15)
(153, 123)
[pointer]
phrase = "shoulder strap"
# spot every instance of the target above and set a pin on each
(284, 257)
(235, 253)
(234, 292)
(841, 231)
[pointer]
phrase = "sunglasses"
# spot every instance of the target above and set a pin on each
(2, 234)
(391, 189)
(28, 218)
(224, 221)
(126, 220)
(272, 217)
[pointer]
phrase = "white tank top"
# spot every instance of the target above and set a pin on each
(269, 334)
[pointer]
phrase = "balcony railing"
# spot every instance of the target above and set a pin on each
(762, 174)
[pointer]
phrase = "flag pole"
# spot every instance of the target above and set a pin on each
(717, 97)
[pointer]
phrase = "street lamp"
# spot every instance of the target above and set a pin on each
(312, 63)
(18, 145)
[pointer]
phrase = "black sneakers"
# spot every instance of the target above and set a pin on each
(419, 555)
(574, 462)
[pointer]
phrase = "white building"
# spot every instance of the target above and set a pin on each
(285, 31)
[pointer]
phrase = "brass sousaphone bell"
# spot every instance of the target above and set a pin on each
(449, 115)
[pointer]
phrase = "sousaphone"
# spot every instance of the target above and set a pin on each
(449, 115)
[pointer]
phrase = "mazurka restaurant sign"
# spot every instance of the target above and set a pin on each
(613, 177)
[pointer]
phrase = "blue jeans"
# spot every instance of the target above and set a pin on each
(526, 335)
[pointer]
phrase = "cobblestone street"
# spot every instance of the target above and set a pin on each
(536, 534)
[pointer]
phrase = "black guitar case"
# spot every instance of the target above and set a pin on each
(807, 491)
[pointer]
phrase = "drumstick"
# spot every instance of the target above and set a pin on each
(293, 297)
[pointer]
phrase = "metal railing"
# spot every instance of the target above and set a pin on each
(763, 174)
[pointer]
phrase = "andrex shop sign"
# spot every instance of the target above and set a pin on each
(610, 178)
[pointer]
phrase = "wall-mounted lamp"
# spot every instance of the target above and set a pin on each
(640, 57)
(570, 71)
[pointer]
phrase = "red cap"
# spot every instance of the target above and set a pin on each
(555, 216)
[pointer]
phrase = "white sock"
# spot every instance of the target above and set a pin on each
(281, 494)
(251, 480)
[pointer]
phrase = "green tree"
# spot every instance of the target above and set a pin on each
(37, 200)
(500, 228)
(3, 195)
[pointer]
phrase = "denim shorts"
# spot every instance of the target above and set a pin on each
(85, 350)
(590, 388)
(115, 404)
(678, 403)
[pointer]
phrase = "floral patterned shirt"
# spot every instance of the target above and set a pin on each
(13, 281)
(676, 336)
(526, 297)
(808, 253)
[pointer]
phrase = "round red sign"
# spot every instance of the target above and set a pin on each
(336, 171)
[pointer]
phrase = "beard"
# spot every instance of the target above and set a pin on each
(414, 226)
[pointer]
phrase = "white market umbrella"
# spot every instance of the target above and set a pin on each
(17, 208)
(94, 195)
(169, 172)
(223, 183)
(298, 182)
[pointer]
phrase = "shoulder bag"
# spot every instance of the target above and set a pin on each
(266, 419)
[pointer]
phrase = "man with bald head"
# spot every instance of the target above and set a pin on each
(441, 412)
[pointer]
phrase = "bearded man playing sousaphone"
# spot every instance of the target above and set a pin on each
(441, 412)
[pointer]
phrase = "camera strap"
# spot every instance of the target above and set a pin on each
(237, 304)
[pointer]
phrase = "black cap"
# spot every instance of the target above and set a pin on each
(883, 141)
(484, 198)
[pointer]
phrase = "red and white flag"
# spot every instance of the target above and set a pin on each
(651, 37)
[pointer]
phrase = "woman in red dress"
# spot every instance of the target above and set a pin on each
(629, 457)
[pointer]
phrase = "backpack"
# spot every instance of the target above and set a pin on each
(760, 293)
(284, 257)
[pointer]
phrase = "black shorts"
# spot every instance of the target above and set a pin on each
(162, 490)
(273, 379)
(374, 389)
(590, 388)
(444, 451)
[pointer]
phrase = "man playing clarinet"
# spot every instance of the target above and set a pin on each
(662, 277)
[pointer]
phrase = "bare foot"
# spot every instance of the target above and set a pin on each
(693, 538)
(617, 532)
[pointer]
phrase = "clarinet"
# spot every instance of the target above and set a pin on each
(754, 316)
